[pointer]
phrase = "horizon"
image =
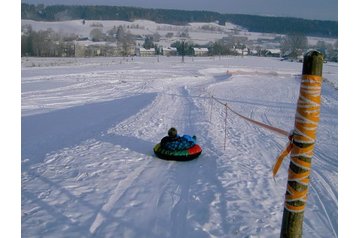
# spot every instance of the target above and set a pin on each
(275, 8)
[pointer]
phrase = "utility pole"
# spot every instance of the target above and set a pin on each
(303, 141)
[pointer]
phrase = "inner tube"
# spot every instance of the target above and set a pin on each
(181, 155)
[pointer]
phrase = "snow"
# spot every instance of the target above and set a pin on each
(89, 126)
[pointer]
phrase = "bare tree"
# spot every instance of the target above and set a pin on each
(294, 44)
(42, 43)
(97, 34)
(169, 35)
(156, 37)
(124, 40)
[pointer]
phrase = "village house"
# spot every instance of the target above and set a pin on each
(201, 51)
(90, 49)
(273, 52)
(144, 52)
(244, 51)
(169, 51)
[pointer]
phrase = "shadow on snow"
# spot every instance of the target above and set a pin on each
(43, 133)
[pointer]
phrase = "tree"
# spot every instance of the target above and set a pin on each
(294, 44)
(156, 37)
(41, 42)
(183, 48)
(329, 51)
(148, 42)
(219, 48)
(184, 33)
(26, 41)
(124, 40)
(126, 44)
(333, 52)
(97, 35)
(169, 35)
(323, 47)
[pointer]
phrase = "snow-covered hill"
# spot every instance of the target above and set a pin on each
(89, 126)
(199, 32)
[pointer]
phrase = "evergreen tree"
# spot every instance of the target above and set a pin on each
(148, 42)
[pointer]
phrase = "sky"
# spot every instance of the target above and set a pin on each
(308, 9)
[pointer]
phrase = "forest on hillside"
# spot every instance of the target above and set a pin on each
(264, 24)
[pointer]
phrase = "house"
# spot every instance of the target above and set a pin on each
(90, 49)
(244, 51)
(145, 52)
(169, 51)
(201, 51)
(273, 52)
(254, 52)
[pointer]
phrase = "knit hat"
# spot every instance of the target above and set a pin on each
(172, 132)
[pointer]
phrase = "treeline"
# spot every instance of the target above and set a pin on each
(285, 25)
(46, 43)
(265, 24)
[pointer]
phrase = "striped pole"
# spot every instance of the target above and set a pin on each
(303, 140)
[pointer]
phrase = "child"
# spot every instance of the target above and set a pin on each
(174, 142)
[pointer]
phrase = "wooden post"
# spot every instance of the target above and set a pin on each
(303, 139)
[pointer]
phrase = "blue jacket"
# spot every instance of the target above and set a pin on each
(178, 143)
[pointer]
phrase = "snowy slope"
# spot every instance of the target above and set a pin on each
(89, 126)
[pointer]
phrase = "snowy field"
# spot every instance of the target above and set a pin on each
(89, 126)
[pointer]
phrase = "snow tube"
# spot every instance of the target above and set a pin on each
(181, 155)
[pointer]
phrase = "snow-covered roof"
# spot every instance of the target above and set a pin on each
(170, 48)
(88, 43)
(146, 50)
(201, 49)
(274, 51)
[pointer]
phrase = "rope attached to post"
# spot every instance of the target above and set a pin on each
(271, 128)
(301, 143)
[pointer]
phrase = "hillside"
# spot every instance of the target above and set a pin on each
(264, 24)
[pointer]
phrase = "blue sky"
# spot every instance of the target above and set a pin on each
(309, 9)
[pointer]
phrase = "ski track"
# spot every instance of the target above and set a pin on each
(110, 184)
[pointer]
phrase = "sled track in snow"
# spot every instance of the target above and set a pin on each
(121, 188)
(182, 185)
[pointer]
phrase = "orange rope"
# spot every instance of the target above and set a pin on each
(280, 158)
(274, 129)
(302, 144)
